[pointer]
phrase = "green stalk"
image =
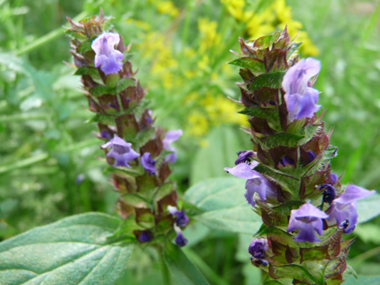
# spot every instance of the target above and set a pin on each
(163, 267)
(47, 38)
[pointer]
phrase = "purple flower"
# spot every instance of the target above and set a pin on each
(301, 100)
(148, 163)
(109, 59)
(285, 161)
(257, 248)
(121, 151)
(329, 192)
(256, 183)
(244, 156)
(145, 236)
(79, 178)
(308, 220)
(311, 156)
(181, 219)
(343, 209)
(180, 240)
(170, 137)
(333, 178)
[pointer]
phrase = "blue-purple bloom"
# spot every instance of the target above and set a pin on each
(181, 218)
(244, 156)
(145, 236)
(343, 209)
(170, 137)
(311, 156)
(107, 57)
(301, 100)
(256, 182)
(79, 178)
(334, 178)
(286, 161)
(257, 248)
(148, 163)
(121, 151)
(329, 192)
(307, 220)
(180, 240)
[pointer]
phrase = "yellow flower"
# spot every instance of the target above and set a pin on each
(198, 124)
(167, 7)
(209, 36)
(140, 24)
(235, 7)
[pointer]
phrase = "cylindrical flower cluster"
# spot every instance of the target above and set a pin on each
(304, 207)
(138, 153)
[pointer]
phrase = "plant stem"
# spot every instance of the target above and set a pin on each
(164, 269)
(46, 38)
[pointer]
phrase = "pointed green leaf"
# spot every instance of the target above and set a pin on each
(93, 72)
(291, 51)
(74, 250)
(101, 90)
(183, 271)
(123, 84)
(271, 115)
(297, 272)
(102, 118)
(85, 46)
(281, 139)
(224, 205)
(271, 80)
(256, 66)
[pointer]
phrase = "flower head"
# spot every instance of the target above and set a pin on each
(257, 248)
(121, 151)
(308, 220)
(244, 156)
(301, 100)
(256, 183)
(170, 137)
(329, 192)
(145, 236)
(343, 208)
(180, 240)
(148, 163)
(181, 219)
(109, 59)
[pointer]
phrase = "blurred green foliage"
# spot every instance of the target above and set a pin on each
(181, 48)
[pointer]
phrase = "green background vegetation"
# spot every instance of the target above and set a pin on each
(181, 51)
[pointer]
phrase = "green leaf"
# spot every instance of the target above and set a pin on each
(271, 115)
(363, 280)
(256, 66)
(182, 270)
(224, 206)
(294, 47)
(222, 144)
(273, 282)
(102, 118)
(297, 272)
(77, 35)
(271, 80)
(368, 208)
(123, 84)
(101, 90)
(74, 250)
(281, 139)
(93, 72)
(85, 46)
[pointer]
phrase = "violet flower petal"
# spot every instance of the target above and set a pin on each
(148, 163)
(109, 59)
